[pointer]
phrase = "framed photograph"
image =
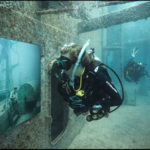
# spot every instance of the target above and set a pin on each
(19, 82)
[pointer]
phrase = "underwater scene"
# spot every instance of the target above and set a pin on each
(19, 82)
(84, 84)
(126, 49)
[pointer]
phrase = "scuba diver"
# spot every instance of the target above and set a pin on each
(133, 71)
(84, 83)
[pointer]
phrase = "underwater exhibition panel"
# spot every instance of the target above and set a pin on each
(19, 83)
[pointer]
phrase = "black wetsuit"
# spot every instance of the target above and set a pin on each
(98, 88)
(134, 71)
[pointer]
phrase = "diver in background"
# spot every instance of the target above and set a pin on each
(13, 102)
(89, 86)
(133, 71)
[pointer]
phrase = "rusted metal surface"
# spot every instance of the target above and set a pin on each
(140, 11)
(54, 11)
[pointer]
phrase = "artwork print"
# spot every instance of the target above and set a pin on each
(19, 82)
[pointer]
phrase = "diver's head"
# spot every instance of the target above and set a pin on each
(15, 89)
(69, 56)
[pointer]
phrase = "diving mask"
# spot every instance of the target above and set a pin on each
(64, 63)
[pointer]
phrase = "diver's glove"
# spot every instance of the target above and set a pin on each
(64, 88)
(75, 102)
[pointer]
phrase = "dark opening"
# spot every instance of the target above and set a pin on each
(59, 109)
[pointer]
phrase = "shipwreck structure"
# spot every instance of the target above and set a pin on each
(134, 13)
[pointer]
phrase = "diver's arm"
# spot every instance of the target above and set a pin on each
(69, 96)
(110, 89)
(105, 83)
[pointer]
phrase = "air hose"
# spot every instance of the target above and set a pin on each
(78, 61)
(120, 84)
